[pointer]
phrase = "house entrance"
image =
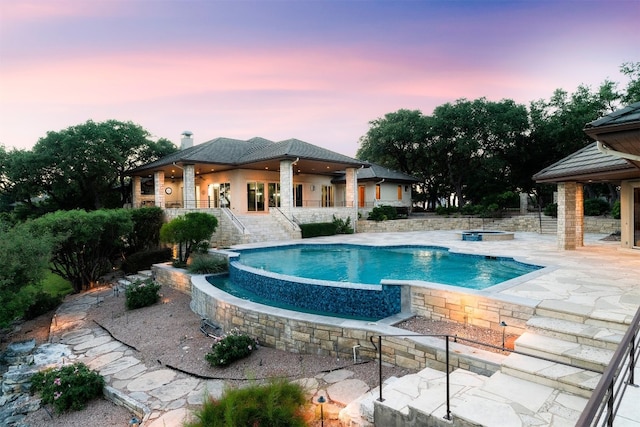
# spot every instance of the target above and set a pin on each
(255, 196)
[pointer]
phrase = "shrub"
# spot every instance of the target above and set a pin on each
(382, 213)
(42, 303)
(278, 403)
(69, 387)
(146, 228)
(318, 229)
(595, 207)
(551, 210)
(615, 210)
(229, 348)
(141, 294)
(191, 232)
(144, 260)
(343, 226)
(203, 264)
(446, 210)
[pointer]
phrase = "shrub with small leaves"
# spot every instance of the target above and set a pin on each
(203, 264)
(142, 294)
(70, 387)
(230, 347)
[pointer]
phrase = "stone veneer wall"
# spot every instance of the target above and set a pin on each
(470, 308)
(301, 333)
(526, 223)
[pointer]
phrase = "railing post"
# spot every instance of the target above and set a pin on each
(380, 399)
(610, 402)
(632, 359)
(446, 346)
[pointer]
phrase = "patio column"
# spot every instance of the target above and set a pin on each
(136, 191)
(189, 186)
(351, 194)
(286, 188)
(158, 188)
(570, 215)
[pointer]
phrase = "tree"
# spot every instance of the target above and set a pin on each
(85, 243)
(24, 257)
(83, 166)
(471, 139)
(632, 71)
(191, 231)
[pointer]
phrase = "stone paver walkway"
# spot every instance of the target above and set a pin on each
(160, 395)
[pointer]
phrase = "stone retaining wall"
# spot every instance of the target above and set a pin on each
(301, 333)
(470, 308)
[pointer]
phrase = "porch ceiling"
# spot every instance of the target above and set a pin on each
(303, 166)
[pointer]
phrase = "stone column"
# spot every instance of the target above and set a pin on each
(136, 190)
(569, 217)
(579, 215)
(524, 203)
(286, 188)
(351, 194)
(158, 188)
(189, 187)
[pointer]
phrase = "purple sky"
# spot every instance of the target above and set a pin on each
(319, 71)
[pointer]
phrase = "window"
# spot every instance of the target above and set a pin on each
(297, 195)
(219, 195)
(274, 194)
(327, 196)
(255, 196)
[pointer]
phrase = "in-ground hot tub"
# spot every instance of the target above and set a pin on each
(485, 235)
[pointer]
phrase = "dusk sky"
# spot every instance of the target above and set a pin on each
(319, 71)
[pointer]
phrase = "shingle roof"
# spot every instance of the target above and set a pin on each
(630, 113)
(586, 161)
(235, 152)
(376, 172)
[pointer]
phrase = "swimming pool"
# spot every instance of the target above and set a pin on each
(371, 264)
(345, 280)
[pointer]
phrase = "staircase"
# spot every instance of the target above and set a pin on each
(266, 228)
(527, 390)
(548, 225)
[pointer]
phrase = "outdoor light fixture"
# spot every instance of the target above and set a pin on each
(504, 325)
(321, 400)
(134, 422)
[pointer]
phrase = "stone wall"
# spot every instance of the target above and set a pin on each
(302, 333)
(471, 308)
(523, 223)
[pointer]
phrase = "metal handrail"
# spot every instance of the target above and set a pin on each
(607, 396)
(294, 226)
(456, 339)
(235, 220)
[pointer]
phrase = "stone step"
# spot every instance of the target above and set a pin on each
(562, 377)
(581, 355)
(499, 400)
(578, 313)
(596, 336)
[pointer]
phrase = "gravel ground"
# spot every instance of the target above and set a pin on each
(168, 334)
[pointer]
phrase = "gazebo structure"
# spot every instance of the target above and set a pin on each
(613, 158)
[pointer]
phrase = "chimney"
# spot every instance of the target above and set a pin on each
(187, 140)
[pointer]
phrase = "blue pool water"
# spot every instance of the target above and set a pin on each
(344, 280)
(367, 264)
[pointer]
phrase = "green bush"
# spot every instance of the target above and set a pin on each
(229, 348)
(343, 226)
(42, 303)
(141, 294)
(278, 403)
(317, 229)
(446, 210)
(596, 207)
(551, 210)
(146, 229)
(144, 260)
(69, 387)
(615, 210)
(203, 264)
(382, 213)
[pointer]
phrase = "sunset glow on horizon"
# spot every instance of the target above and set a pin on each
(319, 71)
